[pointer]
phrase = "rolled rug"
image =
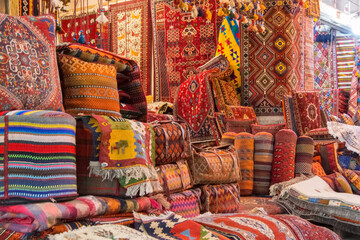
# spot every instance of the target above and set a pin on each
(304, 156)
(244, 145)
(263, 157)
(283, 165)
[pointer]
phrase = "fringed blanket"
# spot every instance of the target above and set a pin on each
(126, 152)
(349, 134)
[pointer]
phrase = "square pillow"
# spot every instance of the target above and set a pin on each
(271, 128)
(28, 69)
(288, 110)
(306, 111)
(228, 138)
(237, 126)
(239, 112)
(89, 88)
(317, 169)
(342, 184)
(225, 93)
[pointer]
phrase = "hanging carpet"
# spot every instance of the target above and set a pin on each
(345, 60)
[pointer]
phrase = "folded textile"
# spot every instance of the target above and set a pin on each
(41, 216)
(346, 133)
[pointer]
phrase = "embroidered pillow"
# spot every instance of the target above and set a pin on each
(28, 69)
(354, 180)
(272, 128)
(306, 111)
(89, 88)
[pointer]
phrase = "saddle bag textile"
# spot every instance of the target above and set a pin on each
(173, 177)
(171, 141)
(214, 166)
(37, 155)
(224, 198)
(186, 204)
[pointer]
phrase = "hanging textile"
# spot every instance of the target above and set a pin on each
(345, 60)
(86, 23)
(228, 45)
(308, 52)
(189, 43)
(314, 9)
(329, 101)
(130, 36)
(28, 7)
(272, 60)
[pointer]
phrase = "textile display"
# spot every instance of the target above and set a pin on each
(353, 105)
(29, 71)
(87, 23)
(348, 161)
(289, 116)
(271, 61)
(263, 158)
(304, 155)
(29, 7)
(354, 180)
(218, 62)
(160, 107)
(131, 36)
(88, 88)
(344, 98)
(330, 180)
(186, 204)
(262, 226)
(102, 233)
(271, 128)
(344, 118)
(228, 138)
(41, 216)
(308, 46)
(244, 146)
(172, 226)
(228, 46)
(345, 133)
(283, 164)
(128, 77)
(314, 9)
(306, 110)
(126, 152)
(329, 101)
(237, 126)
(38, 155)
(189, 43)
(345, 57)
(239, 112)
(329, 158)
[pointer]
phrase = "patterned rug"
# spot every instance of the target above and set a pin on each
(329, 101)
(322, 65)
(72, 26)
(271, 61)
(28, 7)
(189, 43)
(131, 37)
(345, 60)
(308, 52)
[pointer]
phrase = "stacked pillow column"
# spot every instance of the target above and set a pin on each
(304, 155)
(283, 165)
(263, 157)
(244, 145)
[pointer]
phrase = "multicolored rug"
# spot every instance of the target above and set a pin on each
(271, 61)
(72, 26)
(189, 43)
(131, 37)
(345, 60)
(29, 7)
(308, 45)
(354, 93)
(329, 101)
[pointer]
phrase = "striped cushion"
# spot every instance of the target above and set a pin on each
(304, 155)
(37, 155)
(263, 157)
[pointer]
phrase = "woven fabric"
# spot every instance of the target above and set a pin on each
(87, 23)
(10, 235)
(172, 226)
(279, 51)
(237, 126)
(353, 100)
(239, 112)
(271, 128)
(228, 46)
(248, 203)
(186, 204)
(308, 48)
(29, 7)
(342, 184)
(353, 179)
(317, 169)
(323, 67)
(306, 111)
(283, 165)
(289, 116)
(347, 161)
(160, 117)
(244, 145)
(219, 62)
(224, 92)
(228, 138)
(127, 76)
(88, 88)
(38, 155)
(304, 155)
(329, 101)
(189, 43)
(263, 158)
(131, 37)
(29, 71)
(344, 97)
(344, 118)
(345, 57)
(329, 158)
(314, 9)
(330, 180)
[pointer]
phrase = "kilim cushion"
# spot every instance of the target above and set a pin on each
(263, 157)
(239, 125)
(88, 88)
(306, 111)
(271, 128)
(37, 150)
(228, 138)
(244, 145)
(283, 165)
(330, 180)
(186, 204)
(304, 155)
(342, 184)
(329, 158)
(28, 70)
(354, 180)
(239, 112)
(317, 169)
(346, 119)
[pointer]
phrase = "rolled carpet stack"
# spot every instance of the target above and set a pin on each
(244, 145)
(263, 157)
(283, 165)
(304, 155)
(228, 138)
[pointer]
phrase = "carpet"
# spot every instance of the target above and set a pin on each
(189, 43)
(29, 7)
(271, 61)
(72, 26)
(345, 60)
(131, 36)
(329, 101)
(308, 46)
(354, 92)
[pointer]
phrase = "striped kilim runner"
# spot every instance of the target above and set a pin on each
(345, 60)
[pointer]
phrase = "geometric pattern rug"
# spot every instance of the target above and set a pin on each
(345, 55)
